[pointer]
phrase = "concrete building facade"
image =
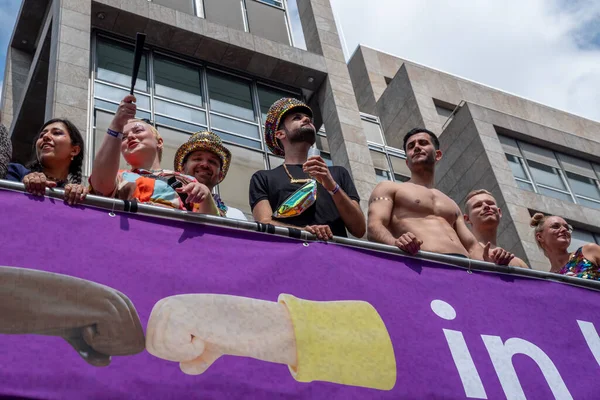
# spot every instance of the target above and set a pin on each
(219, 64)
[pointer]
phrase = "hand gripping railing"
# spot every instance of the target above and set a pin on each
(115, 205)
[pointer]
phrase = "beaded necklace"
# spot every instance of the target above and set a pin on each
(220, 205)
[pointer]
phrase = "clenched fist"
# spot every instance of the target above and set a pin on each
(96, 320)
(196, 329)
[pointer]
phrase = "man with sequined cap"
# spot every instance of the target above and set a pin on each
(304, 192)
(205, 158)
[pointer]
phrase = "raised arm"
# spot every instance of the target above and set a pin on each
(106, 162)
(468, 240)
(349, 209)
(381, 206)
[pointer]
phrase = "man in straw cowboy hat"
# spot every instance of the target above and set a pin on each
(303, 192)
(205, 158)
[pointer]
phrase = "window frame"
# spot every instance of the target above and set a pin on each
(561, 170)
(385, 149)
(203, 69)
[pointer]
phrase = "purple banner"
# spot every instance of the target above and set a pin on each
(454, 334)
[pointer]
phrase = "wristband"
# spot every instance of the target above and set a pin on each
(116, 134)
(335, 189)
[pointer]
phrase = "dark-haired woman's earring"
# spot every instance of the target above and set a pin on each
(72, 158)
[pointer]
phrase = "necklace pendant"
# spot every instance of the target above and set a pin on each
(294, 180)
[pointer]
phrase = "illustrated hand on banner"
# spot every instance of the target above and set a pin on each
(343, 342)
(96, 320)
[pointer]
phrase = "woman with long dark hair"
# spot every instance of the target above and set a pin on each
(57, 162)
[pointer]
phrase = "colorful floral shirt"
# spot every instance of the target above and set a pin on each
(581, 267)
(155, 187)
(151, 187)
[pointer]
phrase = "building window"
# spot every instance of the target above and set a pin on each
(444, 109)
(372, 130)
(267, 96)
(552, 174)
(389, 162)
(175, 80)
(181, 98)
(230, 95)
(115, 62)
(381, 175)
(549, 181)
(275, 3)
(580, 237)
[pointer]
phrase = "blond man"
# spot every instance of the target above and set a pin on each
(483, 215)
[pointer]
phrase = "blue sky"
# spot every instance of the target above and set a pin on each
(544, 50)
(8, 15)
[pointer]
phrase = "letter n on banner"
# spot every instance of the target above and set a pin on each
(501, 355)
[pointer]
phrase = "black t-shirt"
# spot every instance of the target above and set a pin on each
(274, 185)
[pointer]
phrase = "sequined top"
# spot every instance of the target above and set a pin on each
(581, 267)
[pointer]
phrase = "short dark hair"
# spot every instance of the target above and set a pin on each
(413, 132)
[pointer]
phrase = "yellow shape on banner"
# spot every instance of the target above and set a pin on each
(343, 342)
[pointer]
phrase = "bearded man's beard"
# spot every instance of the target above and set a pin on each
(303, 134)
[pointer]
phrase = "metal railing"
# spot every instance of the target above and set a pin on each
(123, 206)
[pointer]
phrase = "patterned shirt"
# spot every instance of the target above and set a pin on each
(581, 267)
(151, 187)
(156, 188)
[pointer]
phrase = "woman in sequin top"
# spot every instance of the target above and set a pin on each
(553, 236)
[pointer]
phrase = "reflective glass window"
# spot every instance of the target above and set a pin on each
(230, 95)
(114, 62)
(177, 81)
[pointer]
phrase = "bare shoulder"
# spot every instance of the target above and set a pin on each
(386, 188)
(591, 251)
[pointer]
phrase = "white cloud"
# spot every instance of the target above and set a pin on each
(543, 50)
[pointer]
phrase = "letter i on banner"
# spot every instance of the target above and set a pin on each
(467, 371)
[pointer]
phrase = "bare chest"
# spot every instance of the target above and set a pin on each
(419, 201)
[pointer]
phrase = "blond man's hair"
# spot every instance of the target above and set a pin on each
(154, 132)
(474, 193)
